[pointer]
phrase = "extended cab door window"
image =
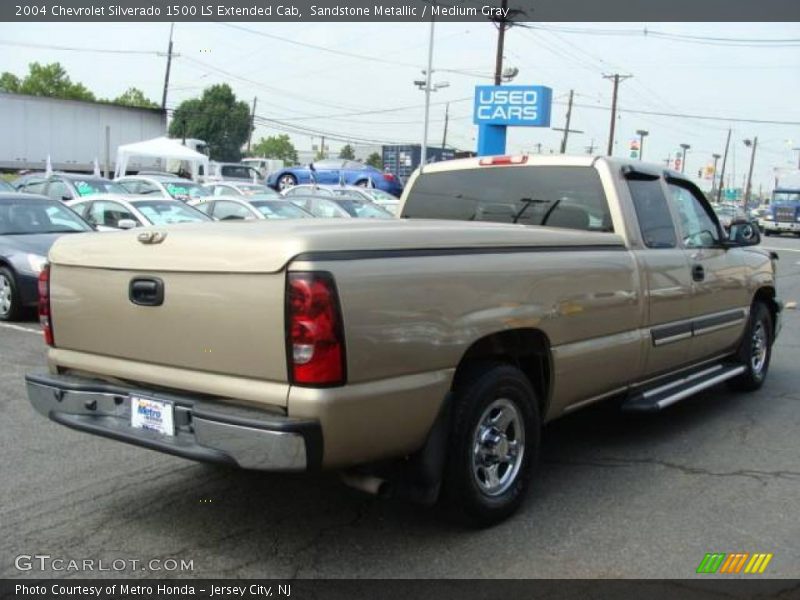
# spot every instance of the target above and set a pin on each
(652, 212)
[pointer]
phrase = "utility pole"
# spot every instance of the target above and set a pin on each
(616, 78)
(798, 156)
(590, 148)
(423, 158)
(684, 147)
(502, 25)
(169, 64)
(252, 124)
(724, 163)
(716, 157)
(446, 119)
(566, 128)
(749, 185)
(642, 133)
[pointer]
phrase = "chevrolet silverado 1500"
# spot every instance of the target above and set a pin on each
(420, 355)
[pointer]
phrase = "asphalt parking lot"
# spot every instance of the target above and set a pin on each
(615, 496)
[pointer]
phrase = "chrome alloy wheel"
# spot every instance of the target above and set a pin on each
(285, 182)
(758, 343)
(498, 447)
(5, 295)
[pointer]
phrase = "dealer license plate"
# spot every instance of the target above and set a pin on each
(152, 415)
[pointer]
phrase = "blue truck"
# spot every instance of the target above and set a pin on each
(783, 215)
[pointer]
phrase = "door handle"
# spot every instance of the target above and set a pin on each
(698, 273)
(146, 291)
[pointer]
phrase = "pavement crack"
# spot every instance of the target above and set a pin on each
(614, 462)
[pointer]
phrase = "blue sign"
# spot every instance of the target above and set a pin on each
(513, 105)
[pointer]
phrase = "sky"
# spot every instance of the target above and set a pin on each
(355, 81)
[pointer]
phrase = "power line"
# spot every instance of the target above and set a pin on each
(79, 49)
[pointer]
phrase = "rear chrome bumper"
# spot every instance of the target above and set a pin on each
(209, 431)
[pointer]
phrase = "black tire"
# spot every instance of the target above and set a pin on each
(285, 181)
(755, 350)
(10, 304)
(476, 398)
(767, 232)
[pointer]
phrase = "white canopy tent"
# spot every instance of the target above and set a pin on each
(165, 148)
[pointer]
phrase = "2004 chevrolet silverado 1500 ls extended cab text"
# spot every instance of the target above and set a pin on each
(425, 353)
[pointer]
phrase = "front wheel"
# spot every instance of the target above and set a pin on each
(755, 350)
(494, 441)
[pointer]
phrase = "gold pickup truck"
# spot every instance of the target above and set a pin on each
(421, 355)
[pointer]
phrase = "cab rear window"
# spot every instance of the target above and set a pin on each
(553, 196)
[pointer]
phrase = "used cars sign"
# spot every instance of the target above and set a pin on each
(513, 105)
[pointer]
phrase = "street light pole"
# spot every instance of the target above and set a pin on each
(643, 133)
(428, 75)
(748, 187)
(716, 158)
(683, 159)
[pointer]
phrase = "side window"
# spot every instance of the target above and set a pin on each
(225, 211)
(58, 190)
(109, 214)
(205, 207)
(151, 189)
(132, 187)
(81, 208)
(652, 212)
(699, 228)
(35, 187)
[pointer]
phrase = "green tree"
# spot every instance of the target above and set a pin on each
(375, 160)
(136, 98)
(45, 80)
(216, 117)
(278, 146)
(347, 152)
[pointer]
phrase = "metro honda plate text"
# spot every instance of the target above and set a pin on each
(124, 589)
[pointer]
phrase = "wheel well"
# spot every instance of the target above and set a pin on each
(526, 349)
(766, 295)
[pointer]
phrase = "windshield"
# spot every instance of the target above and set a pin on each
(185, 190)
(363, 210)
(251, 189)
(88, 187)
(5, 186)
(238, 171)
(33, 216)
(379, 195)
(279, 209)
(164, 212)
(786, 197)
(556, 196)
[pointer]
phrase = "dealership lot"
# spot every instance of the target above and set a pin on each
(615, 496)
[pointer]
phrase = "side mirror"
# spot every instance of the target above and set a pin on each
(743, 233)
(127, 224)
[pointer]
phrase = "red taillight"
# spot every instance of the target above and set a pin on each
(44, 305)
(520, 159)
(314, 338)
(388, 176)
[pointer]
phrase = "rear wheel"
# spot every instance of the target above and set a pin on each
(755, 350)
(286, 181)
(494, 442)
(10, 308)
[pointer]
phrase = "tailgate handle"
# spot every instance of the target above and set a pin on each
(146, 291)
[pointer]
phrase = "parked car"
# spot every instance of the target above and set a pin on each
(264, 166)
(66, 186)
(166, 187)
(235, 188)
(420, 356)
(727, 213)
(319, 206)
(336, 171)
(226, 208)
(383, 199)
(232, 172)
(362, 209)
(29, 224)
(127, 212)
